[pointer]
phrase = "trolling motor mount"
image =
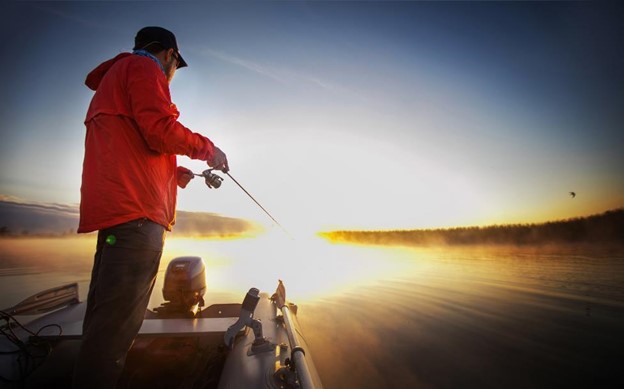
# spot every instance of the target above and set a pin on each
(260, 343)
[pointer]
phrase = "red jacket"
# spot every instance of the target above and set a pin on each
(132, 139)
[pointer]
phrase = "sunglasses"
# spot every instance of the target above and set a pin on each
(176, 55)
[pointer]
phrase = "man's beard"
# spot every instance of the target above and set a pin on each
(170, 69)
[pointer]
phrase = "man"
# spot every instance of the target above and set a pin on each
(128, 194)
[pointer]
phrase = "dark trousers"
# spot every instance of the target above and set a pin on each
(124, 272)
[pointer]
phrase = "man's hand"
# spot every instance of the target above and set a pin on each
(218, 160)
(183, 176)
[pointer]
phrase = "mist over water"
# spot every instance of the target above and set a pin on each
(394, 317)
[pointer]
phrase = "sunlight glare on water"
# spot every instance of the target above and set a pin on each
(309, 266)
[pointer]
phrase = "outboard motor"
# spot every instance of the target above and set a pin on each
(184, 287)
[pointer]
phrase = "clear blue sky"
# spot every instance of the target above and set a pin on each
(344, 114)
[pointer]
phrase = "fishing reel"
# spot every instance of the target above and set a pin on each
(212, 180)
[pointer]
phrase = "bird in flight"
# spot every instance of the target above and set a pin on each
(573, 194)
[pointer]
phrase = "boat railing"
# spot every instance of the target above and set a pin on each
(297, 351)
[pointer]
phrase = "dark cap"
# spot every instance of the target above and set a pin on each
(157, 35)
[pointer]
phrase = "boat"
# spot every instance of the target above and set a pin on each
(181, 344)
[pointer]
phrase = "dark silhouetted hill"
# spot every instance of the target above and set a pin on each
(603, 228)
(22, 218)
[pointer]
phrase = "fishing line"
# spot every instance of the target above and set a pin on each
(214, 181)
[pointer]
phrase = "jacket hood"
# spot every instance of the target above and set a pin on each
(95, 77)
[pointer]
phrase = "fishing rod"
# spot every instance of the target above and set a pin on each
(214, 181)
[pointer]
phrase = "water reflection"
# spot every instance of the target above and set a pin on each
(396, 318)
(477, 317)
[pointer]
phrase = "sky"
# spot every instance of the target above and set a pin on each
(343, 115)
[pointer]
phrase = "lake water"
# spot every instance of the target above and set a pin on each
(396, 317)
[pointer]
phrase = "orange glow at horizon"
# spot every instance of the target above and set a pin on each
(261, 261)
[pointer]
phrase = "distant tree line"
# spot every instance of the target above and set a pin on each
(604, 228)
(7, 232)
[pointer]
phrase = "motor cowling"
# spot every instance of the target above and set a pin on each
(185, 283)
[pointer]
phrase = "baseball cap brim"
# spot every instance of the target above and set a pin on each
(182, 63)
